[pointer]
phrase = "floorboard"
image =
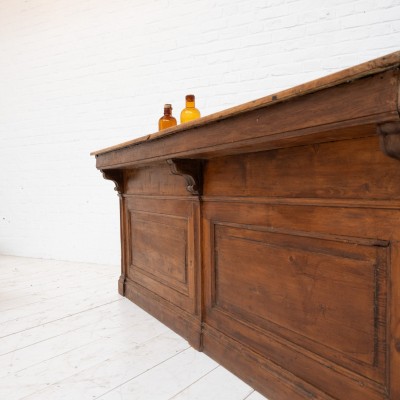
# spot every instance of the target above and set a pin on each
(66, 333)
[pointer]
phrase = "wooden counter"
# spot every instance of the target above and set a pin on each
(268, 234)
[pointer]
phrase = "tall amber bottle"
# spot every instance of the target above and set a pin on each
(167, 120)
(190, 112)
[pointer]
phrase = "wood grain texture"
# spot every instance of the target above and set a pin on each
(268, 235)
(154, 180)
(340, 170)
(159, 247)
(298, 277)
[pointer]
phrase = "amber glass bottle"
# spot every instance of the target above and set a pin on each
(167, 120)
(190, 111)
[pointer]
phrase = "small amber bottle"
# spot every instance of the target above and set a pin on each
(190, 112)
(167, 120)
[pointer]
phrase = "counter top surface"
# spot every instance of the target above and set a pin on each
(372, 67)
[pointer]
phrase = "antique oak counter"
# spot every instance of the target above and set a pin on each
(268, 235)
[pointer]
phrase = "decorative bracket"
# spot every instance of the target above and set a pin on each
(191, 170)
(389, 138)
(116, 176)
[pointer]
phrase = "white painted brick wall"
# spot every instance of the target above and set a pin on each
(76, 76)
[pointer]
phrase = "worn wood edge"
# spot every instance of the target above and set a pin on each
(394, 318)
(156, 196)
(183, 323)
(121, 284)
(273, 376)
(384, 204)
(359, 71)
(268, 366)
(334, 366)
(296, 137)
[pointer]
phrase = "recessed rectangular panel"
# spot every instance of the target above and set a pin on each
(159, 248)
(323, 290)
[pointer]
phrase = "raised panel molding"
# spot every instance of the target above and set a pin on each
(159, 248)
(297, 279)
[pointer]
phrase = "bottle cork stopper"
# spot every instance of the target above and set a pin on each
(190, 97)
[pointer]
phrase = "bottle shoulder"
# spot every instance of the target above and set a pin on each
(166, 121)
(188, 114)
(167, 118)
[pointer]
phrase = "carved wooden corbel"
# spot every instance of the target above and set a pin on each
(116, 176)
(389, 138)
(191, 170)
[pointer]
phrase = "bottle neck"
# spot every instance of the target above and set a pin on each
(167, 112)
(189, 104)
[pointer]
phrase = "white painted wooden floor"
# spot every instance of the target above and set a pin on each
(65, 333)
